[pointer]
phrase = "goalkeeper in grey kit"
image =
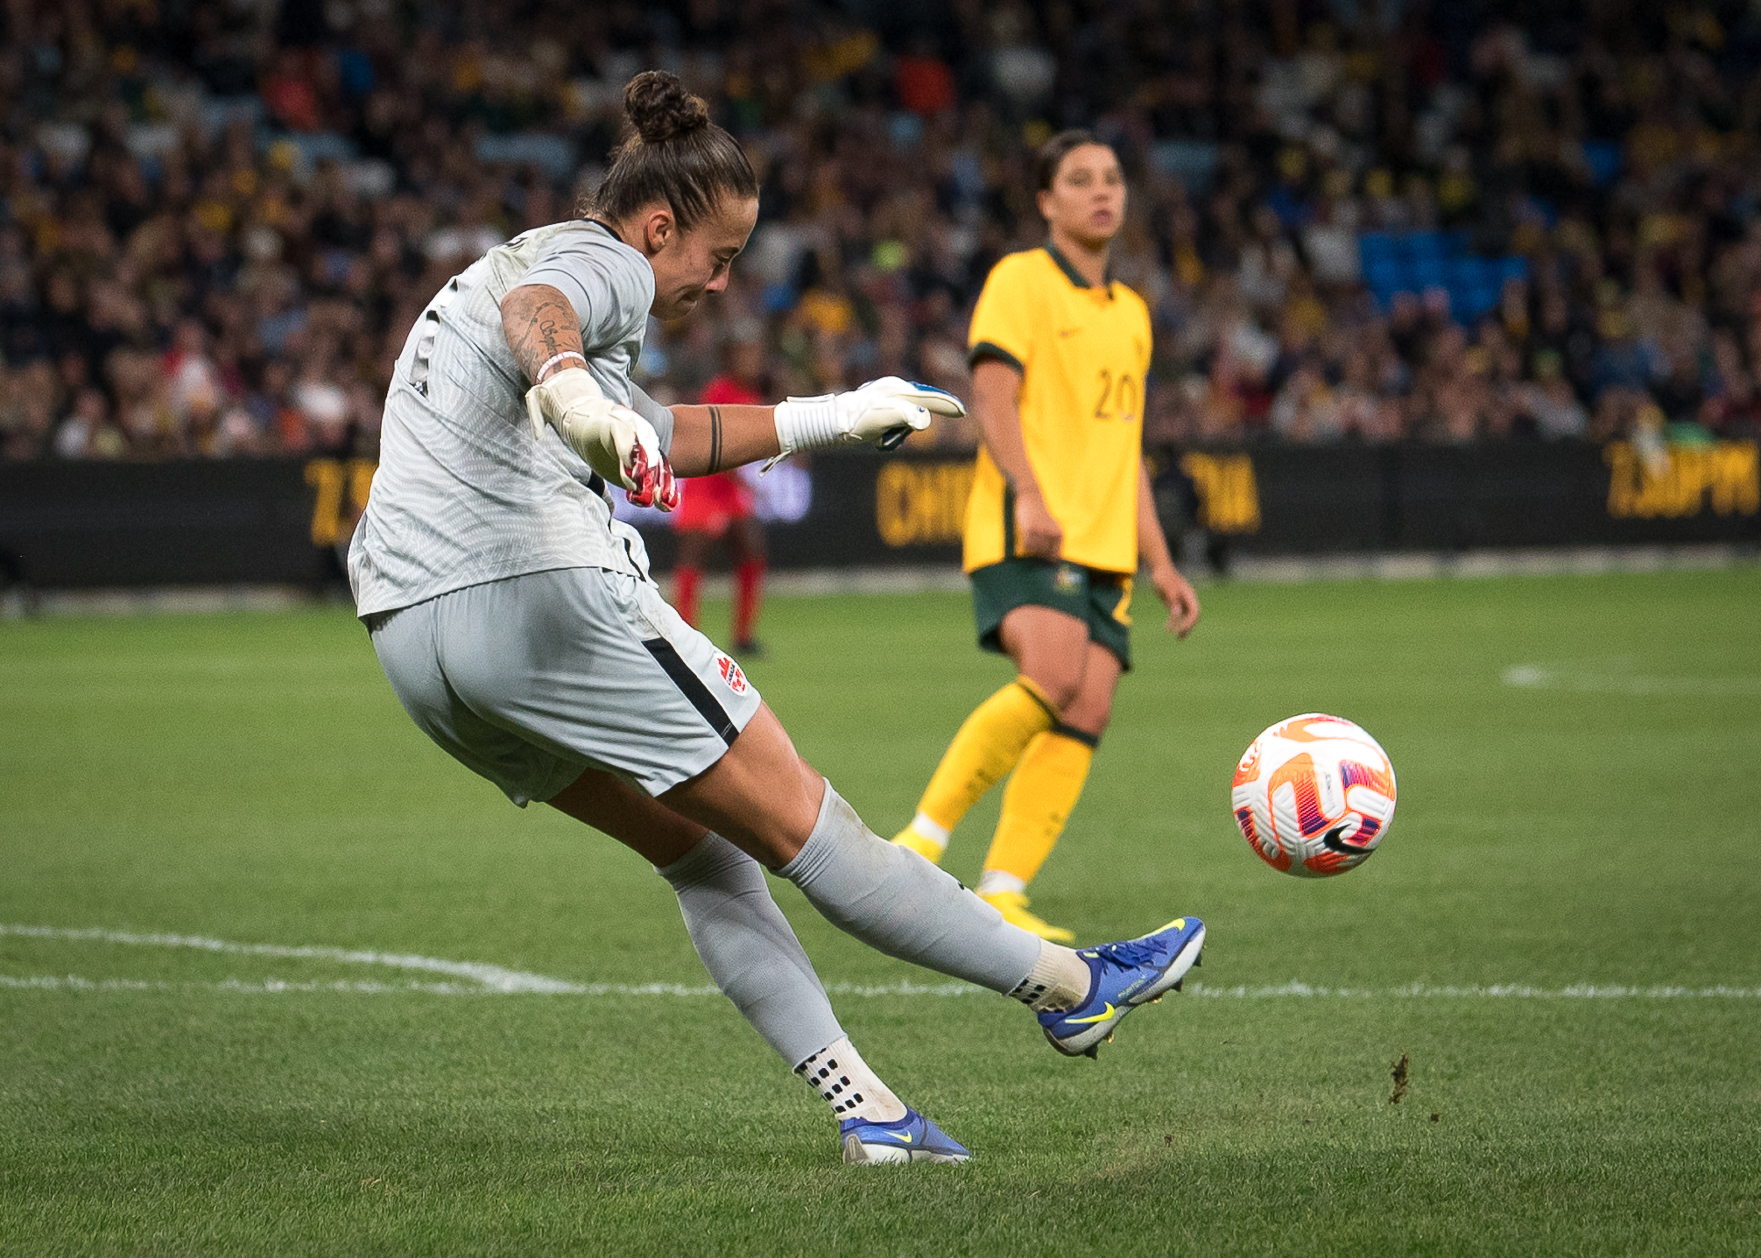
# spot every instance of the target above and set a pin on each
(517, 623)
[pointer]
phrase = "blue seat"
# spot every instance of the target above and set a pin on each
(1382, 271)
(1411, 262)
(1427, 273)
(1427, 246)
(1476, 300)
(1374, 247)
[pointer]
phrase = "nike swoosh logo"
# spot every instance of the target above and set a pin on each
(1102, 1016)
(900, 1135)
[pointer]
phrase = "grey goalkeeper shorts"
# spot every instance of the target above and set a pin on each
(531, 679)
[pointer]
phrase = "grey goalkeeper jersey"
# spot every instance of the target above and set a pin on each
(464, 492)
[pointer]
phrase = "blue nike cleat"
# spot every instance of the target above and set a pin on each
(912, 1138)
(1127, 974)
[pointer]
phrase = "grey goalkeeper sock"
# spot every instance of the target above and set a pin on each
(895, 901)
(749, 950)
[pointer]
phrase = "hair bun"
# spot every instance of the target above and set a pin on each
(661, 109)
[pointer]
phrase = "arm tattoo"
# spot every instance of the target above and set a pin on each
(715, 439)
(538, 325)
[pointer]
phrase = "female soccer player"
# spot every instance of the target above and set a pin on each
(518, 625)
(1060, 515)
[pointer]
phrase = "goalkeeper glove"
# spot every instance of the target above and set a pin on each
(615, 441)
(883, 412)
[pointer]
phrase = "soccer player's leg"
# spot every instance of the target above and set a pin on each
(746, 542)
(756, 961)
(688, 571)
(1041, 794)
(988, 745)
(537, 681)
(908, 908)
(991, 741)
(702, 517)
(739, 933)
(533, 680)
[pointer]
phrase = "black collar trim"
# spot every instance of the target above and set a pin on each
(1071, 273)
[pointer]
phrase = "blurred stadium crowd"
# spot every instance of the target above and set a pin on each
(1353, 219)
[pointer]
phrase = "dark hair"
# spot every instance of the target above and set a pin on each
(1054, 150)
(673, 153)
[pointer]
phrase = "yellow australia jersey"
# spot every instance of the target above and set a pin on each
(1083, 353)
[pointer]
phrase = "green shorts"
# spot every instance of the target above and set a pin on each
(1101, 600)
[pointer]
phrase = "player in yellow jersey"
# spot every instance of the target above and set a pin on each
(1059, 520)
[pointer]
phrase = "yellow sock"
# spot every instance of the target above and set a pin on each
(1037, 803)
(989, 744)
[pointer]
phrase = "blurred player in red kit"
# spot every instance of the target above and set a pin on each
(721, 506)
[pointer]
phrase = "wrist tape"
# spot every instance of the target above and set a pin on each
(808, 423)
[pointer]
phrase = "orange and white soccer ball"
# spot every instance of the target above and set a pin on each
(1314, 795)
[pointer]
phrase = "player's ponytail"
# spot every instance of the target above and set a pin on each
(673, 153)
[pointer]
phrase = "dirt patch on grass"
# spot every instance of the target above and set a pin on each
(1401, 1076)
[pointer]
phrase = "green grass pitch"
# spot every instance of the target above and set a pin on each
(1575, 869)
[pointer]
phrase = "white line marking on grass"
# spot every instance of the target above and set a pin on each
(1614, 679)
(73, 982)
(1279, 991)
(276, 986)
(490, 977)
(490, 980)
(1496, 991)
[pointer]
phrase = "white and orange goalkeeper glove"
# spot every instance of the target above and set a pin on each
(882, 412)
(615, 441)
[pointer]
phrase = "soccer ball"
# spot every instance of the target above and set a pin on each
(1314, 795)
